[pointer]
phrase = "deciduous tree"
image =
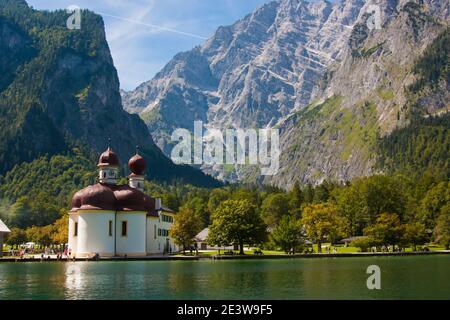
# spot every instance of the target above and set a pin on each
(185, 227)
(434, 200)
(287, 234)
(40, 235)
(321, 222)
(236, 222)
(386, 231)
(60, 233)
(442, 230)
(414, 234)
(16, 237)
(216, 197)
(273, 208)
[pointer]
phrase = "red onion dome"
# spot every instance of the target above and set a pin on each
(108, 158)
(76, 201)
(137, 165)
(130, 199)
(96, 197)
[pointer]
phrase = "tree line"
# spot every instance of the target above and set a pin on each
(36, 197)
(376, 211)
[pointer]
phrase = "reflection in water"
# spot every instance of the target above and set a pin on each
(180, 279)
(326, 278)
(74, 274)
(333, 280)
(217, 280)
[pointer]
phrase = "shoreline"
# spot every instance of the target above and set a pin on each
(230, 257)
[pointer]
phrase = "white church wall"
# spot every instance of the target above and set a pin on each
(133, 243)
(73, 240)
(93, 233)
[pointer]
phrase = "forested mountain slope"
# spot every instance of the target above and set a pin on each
(59, 90)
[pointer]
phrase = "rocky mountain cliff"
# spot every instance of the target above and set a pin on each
(249, 74)
(335, 78)
(59, 90)
(368, 95)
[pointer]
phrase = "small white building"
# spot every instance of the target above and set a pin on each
(202, 244)
(119, 220)
(3, 231)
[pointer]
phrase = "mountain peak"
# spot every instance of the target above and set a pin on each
(248, 74)
(278, 63)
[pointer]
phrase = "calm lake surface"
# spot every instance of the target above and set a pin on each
(407, 277)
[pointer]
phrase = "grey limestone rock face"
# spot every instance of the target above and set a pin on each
(318, 71)
(249, 74)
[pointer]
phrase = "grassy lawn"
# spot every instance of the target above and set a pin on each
(201, 253)
(343, 249)
(434, 247)
(340, 249)
(236, 252)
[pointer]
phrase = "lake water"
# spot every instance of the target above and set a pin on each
(406, 277)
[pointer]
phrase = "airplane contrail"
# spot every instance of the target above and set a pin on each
(155, 26)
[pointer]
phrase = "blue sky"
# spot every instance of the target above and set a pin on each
(145, 34)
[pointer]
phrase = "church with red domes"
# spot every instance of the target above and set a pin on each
(109, 220)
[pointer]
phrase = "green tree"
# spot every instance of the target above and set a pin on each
(381, 194)
(366, 198)
(363, 243)
(40, 235)
(287, 234)
(16, 237)
(216, 197)
(322, 192)
(185, 227)
(434, 200)
(20, 213)
(441, 232)
(308, 193)
(414, 234)
(42, 213)
(273, 208)
(351, 204)
(171, 201)
(236, 222)
(60, 233)
(199, 206)
(386, 231)
(321, 222)
(249, 194)
(296, 199)
(5, 209)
